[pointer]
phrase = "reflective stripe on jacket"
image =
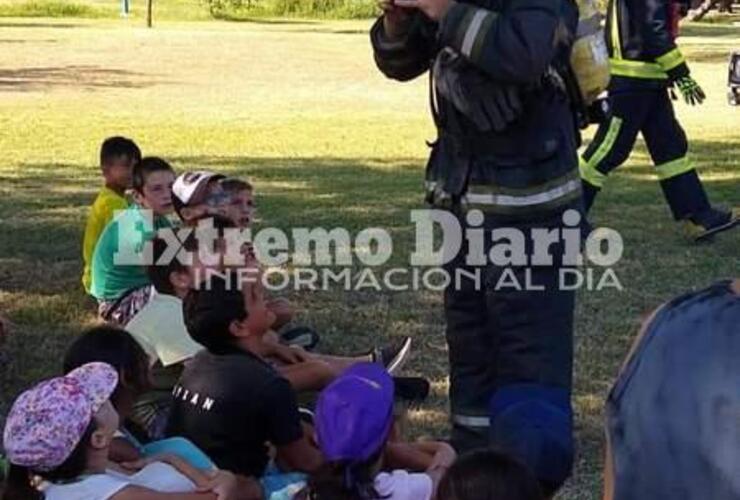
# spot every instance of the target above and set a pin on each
(641, 44)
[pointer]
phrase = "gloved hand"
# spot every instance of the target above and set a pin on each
(691, 91)
(489, 105)
(500, 104)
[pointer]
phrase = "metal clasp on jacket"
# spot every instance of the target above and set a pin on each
(436, 196)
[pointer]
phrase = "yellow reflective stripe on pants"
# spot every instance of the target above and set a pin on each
(615, 39)
(637, 69)
(670, 59)
(674, 168)
(589, 173)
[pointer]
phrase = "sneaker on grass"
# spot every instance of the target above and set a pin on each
(392, 356)
(703, 226)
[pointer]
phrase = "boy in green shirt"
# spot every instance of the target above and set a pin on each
(119, 279)
(118, 155)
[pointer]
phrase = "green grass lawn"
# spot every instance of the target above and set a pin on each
(299, 108)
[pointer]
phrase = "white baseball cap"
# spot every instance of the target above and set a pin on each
(190, 187)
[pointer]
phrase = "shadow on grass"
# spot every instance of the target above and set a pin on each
(85, 76)
(42, 211)
(21, 41)
(45, 25)
(315, 191)
(334, 31)
(268, 20)
(47, 205)
(711, 55)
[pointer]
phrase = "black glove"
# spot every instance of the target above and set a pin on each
(489, 105)
(501, 104)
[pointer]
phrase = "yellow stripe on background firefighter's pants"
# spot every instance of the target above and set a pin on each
(674, 168)
(589, 173)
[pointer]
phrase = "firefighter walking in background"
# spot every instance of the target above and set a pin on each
(644, 62)
(505, 157)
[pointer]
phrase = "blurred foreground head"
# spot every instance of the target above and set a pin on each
(489, 475)
(673, 414)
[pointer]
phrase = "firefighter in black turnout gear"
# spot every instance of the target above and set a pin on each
(645, 62)
(505, 157)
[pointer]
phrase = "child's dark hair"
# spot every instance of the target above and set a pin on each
(147, 166)
(488, 475)
(18, 483)
(234, 185)
(160, 272)
(211, 309)
(344, 481)
(109, 344)
(117, 147)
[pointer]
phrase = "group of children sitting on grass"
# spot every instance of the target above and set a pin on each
(199, 388)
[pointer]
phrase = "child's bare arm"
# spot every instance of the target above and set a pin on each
(198, 477)
(406, 456)
(288, 355)
(122, 451)
(139, 493)
(436, 449)
(444, 457)
(223, 486)
(422, 456)
(312, 375)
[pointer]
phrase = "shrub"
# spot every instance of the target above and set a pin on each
(235, 9)
(48, 8)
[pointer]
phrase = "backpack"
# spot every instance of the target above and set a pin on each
(589, 56)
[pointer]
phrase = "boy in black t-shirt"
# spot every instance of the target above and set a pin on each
(229, 402)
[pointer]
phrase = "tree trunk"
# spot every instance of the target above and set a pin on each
(701, 11)
(149, 13)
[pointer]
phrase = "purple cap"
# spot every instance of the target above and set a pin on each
(354, 414)
(46, 422)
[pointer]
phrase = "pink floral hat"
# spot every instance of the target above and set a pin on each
(46, 422)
